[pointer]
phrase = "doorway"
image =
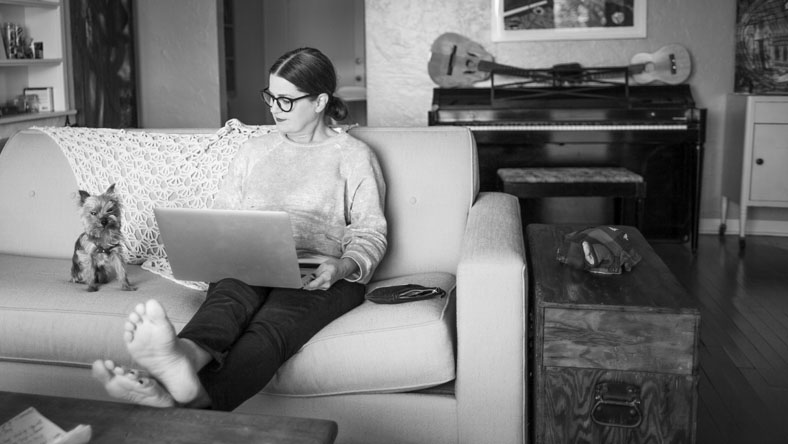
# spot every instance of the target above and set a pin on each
(257, 32)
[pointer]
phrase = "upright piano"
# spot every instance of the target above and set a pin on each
(655, 131)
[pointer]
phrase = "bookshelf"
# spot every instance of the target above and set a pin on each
(44, 21)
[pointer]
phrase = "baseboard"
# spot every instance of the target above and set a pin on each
(754, 227)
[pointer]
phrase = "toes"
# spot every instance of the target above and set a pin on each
(144, 382)
(132, 374)
(136, 315)
(138, 373)
(128, 337)
(101, 372)
(151, 310)
(154, 310)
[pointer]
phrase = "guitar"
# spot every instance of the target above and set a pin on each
(457, 61)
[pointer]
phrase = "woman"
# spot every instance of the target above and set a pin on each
(331, 185)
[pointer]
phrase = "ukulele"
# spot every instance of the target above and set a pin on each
(457, 61)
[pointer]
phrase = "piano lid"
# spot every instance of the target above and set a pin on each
(574, 97)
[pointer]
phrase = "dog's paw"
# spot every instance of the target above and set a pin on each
(128, 288)
(92, 288)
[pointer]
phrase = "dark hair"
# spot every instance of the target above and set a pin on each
(313, 73)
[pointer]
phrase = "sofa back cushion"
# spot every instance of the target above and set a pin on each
(431, 177)
(431, 181)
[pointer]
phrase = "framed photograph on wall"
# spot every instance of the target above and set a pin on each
(761, 47)
(518, 20)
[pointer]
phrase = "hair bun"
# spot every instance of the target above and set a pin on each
(336, 108)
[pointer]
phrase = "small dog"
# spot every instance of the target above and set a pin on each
(98, 252)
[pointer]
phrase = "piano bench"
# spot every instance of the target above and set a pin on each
(534, 183)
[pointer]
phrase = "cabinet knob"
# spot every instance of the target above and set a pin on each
(759, 161)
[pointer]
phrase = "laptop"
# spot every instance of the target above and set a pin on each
(256, 247)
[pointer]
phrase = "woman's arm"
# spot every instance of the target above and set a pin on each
(365, 240)
(329, 272)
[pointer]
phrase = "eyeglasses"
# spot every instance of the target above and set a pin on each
(284, 103)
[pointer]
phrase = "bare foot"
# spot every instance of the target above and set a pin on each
(151, 341)
(131, 385)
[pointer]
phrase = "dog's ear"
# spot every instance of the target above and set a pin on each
(83, 195)
(111, 189)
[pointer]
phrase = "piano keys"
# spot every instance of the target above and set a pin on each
(579, 127)
(655, 131)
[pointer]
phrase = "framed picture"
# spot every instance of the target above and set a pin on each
(515, 20)
(45, 101)
(761, 47)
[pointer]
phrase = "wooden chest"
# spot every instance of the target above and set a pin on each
(615, 356)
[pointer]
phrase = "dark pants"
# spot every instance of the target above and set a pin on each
(252, 331)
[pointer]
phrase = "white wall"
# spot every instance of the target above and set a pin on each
(266, 30)
(179, 48)
(335, 27)
(399, 35)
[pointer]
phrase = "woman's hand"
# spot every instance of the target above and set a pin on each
(329, 272)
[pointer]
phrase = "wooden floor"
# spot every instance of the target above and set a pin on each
(743, 301)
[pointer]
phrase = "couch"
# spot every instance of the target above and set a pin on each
(449, 370)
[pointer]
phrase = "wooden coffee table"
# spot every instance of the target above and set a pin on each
(114, 422)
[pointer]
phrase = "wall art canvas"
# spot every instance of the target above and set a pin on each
(568, 19)
(762, 47)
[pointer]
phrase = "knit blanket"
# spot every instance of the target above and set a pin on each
(151, 169)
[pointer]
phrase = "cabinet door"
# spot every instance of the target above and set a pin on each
(769, 163)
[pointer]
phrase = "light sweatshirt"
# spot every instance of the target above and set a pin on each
(333, 191)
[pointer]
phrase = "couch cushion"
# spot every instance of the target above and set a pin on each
(378, 348)
(151, 169)
(45, 318)
(375, 348)
(431, 182)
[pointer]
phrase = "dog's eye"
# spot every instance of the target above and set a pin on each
(92, 213)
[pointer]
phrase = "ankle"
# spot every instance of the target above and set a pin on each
(202, 401)
(198, 356)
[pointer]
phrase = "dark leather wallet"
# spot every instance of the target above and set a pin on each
(397, 294)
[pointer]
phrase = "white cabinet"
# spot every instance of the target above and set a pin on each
(756, 155)
(44, 21)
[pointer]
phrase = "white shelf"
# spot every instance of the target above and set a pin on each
(31, 3)
(43, 21)
(29, 62)
(32, 117)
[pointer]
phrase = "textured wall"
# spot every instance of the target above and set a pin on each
(178, 63)
(400, 32)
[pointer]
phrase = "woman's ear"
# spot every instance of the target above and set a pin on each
(321, 103)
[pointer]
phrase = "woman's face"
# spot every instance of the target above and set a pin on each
(306, 113)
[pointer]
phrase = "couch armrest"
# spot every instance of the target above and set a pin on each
(492, 324)
(38, 198)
